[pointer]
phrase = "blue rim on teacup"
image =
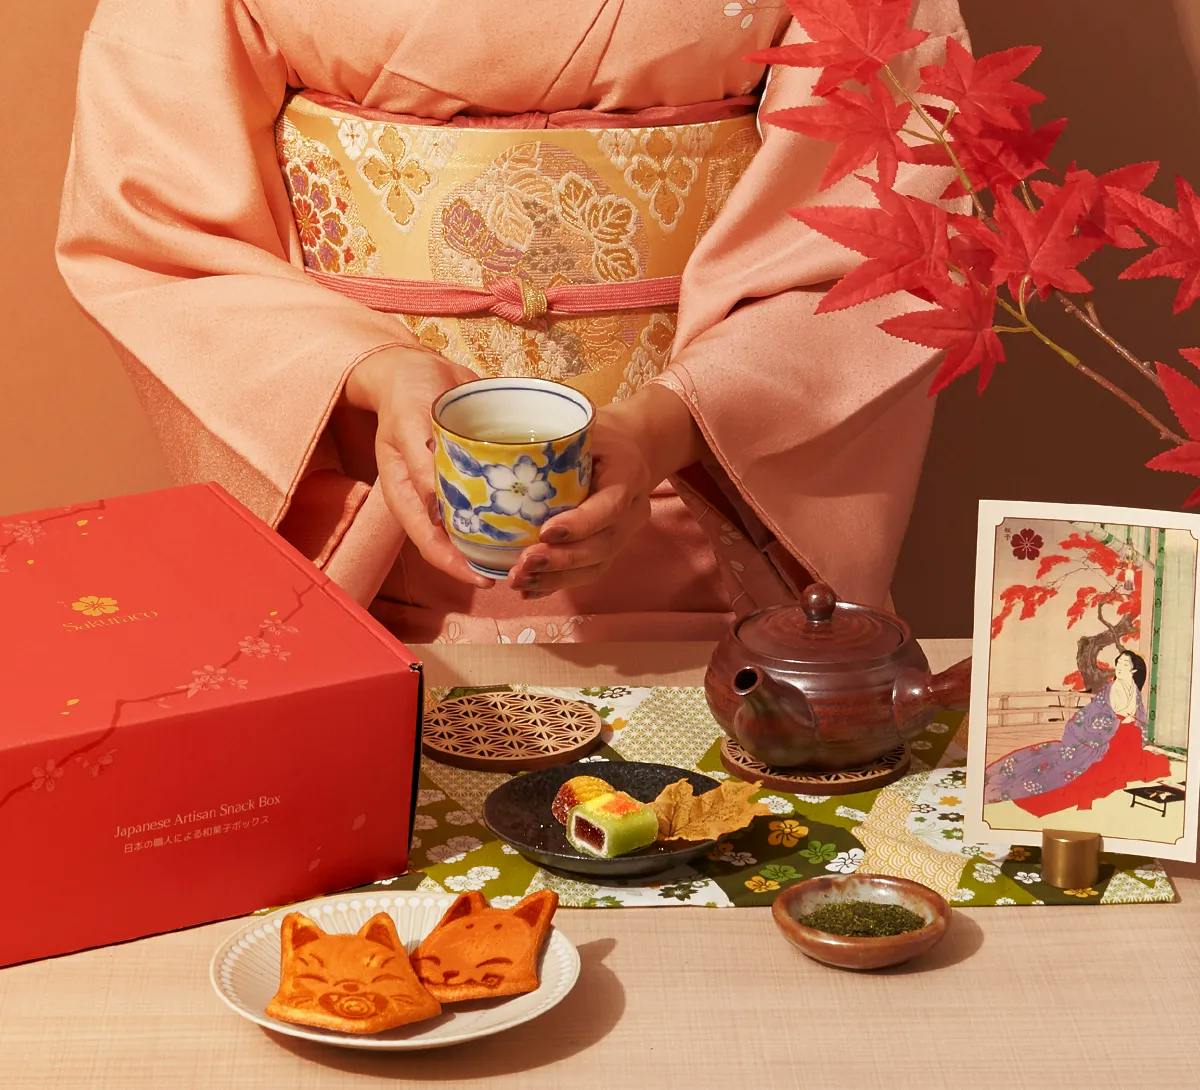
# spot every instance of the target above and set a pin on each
(492, 385)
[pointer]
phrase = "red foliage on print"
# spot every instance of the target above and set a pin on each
(1095, 552)
(1074, 681)
(1029, 598)
(1130, 603)
(1084, 598)
(1049, 563)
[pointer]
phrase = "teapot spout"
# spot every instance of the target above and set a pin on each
(747, 681)
(774, 723)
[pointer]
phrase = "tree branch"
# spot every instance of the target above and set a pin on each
(1091, 320)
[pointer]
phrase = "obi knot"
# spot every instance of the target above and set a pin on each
(518, 300)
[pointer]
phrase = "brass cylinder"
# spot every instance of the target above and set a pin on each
(1070, 860)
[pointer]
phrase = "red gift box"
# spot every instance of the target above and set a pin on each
(195, 723)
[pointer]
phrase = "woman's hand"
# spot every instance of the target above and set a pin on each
(635, 445)
(400, 385)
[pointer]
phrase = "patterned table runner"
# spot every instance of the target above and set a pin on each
(911, 828)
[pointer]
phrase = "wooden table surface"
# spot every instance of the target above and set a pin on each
(1022, 997)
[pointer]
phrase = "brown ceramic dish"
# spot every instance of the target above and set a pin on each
(849, 951)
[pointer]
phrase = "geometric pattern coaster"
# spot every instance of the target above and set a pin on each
(509, 732)
(847, 781)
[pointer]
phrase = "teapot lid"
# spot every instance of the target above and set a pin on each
(823, 631)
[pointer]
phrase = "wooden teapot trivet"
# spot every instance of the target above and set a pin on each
(509, 732)
(878, 773)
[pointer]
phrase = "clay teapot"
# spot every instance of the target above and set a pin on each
(826, 685)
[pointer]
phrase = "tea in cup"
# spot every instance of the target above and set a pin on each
(509, 454)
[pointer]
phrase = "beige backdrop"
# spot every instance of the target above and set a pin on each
(1127, 75)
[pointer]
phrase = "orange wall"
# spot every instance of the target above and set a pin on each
(71, 429)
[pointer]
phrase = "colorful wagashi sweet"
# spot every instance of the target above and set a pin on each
(577, 790)
(479, 952)
(356, 983)
(612, 824)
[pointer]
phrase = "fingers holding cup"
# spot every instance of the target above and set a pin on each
(509, 454)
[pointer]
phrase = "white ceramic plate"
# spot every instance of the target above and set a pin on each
(245, 973)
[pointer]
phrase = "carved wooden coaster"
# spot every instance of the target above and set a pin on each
(879, 773)
(509, 732)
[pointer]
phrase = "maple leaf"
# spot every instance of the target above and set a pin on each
(905, 241)
(683, 815)
(962, 325)
(851, 39)
(1131, 604)
(1040, 245)
(864, 128)
(1075, 681)
(993, 157)
(1030, 598)
(1084, 597)
(1184, 397)
(1102, 219)
(982, 89)
(1095, 552)
(1177, 232)
(1049, 562)
(967, 253)
(1184, 458)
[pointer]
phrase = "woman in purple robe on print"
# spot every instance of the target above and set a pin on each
(1101, 751)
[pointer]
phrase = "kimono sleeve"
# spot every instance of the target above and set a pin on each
(817, 423)
(177, 238)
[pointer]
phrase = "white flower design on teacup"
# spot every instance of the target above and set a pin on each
(519, 490)
(465, 522)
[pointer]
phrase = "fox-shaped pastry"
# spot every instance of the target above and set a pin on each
(356, 983)
(479, 952)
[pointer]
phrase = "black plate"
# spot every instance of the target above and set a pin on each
(519, 811)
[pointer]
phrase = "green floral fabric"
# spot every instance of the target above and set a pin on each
(804, 835)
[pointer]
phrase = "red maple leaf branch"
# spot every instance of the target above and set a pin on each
(863, 128)
(851, 39)
(1177, 232)
(962, 324)
(905, 240)
(983, 90)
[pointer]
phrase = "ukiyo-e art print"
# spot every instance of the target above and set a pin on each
(1085, 704)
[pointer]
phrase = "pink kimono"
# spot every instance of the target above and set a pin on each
(179, 236)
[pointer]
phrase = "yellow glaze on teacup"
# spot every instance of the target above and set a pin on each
(495, 497)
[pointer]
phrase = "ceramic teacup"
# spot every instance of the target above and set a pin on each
(509, 454)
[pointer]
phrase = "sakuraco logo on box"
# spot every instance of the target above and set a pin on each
(105, 611)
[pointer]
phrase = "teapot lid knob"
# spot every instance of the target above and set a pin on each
(819, 602)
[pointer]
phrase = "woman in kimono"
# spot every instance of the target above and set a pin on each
(1102, 750)
(300, 223)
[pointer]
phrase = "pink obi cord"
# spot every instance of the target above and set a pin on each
(509, 297)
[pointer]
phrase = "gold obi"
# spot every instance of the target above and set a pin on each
(528, 212)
